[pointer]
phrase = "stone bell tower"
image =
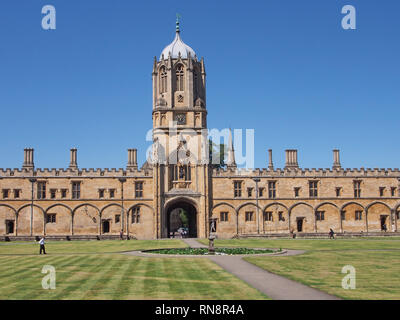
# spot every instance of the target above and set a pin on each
(180, 149)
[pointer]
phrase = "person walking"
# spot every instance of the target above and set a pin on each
(331, 234)
(42, 248)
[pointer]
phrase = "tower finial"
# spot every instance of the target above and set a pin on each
(177, 21)
(230, 163)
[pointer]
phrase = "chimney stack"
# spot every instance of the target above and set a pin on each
(270, 164)
(132, 159)
(73, 163)
(291, 159)
(28, 159)
(336, 160)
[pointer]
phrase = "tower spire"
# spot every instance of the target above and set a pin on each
(230, 163)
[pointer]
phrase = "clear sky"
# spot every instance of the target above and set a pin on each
(284, 68)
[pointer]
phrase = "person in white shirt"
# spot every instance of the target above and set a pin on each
(41, 242)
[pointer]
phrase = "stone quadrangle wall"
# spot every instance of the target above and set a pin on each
(282, 212)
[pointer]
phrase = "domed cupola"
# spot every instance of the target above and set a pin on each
(179, 82)
(177, 47)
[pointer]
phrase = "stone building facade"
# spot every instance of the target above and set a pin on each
(77, 202)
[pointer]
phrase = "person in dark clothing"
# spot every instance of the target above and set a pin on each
(331, 234)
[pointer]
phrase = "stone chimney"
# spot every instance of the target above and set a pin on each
(336, 160)
(28, 159)
(73, 163)
(132, 159)
(291, 159)
(270, 164)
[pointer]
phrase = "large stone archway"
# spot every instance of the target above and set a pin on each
(174, 210)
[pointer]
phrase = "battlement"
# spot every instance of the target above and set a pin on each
(307, 172)
(230, 172)
(72, 173)
(28, 169)
(292, 169)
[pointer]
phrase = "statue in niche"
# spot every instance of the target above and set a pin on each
(181, 173)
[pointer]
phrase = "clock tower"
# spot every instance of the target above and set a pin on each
(180, 150)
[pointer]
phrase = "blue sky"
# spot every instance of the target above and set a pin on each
(284, 68)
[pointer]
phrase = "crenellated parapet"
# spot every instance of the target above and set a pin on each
(73, 173)
(306, 172)
(28, 170)
(292, 170)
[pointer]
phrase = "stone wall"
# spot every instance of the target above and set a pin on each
(85, 216)
(286, 208)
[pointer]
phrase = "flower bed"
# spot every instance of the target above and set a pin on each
(218, 251)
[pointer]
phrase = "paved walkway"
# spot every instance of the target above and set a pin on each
(193, 243)
(274, 286)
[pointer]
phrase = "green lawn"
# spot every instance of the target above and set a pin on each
(310, 244)
(376, 262)
(106, 246)
(97, 269)
(83, 272)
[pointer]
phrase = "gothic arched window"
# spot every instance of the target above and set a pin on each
(180, 78)
(163, 80)
(136, 215)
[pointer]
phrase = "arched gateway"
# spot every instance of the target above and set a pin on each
(181, 213)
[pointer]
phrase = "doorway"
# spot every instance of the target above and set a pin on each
(300, 224)
(10, 226)
(181, 219)
(106, 226)
(383, 223)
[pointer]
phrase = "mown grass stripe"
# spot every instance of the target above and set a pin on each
(188, 269)
(61, 276)
(88, 267)
(172, 271)
(120, 286)
(12, 263)
(94, 274)
(97, 287)
(135, 285)
(8, 261)
(25, 267)
(67, 285)
(26, 281)
(151, 286)
(207, 270)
